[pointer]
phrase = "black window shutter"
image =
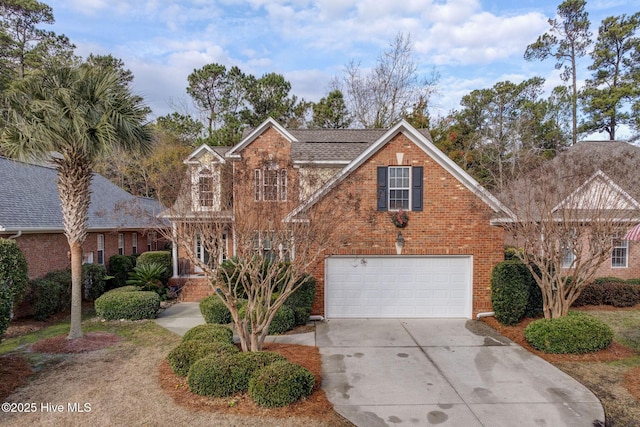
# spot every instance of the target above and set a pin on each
(382, 188)
(416, 188)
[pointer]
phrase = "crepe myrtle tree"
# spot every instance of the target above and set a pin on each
(274, 252)
(567, 218)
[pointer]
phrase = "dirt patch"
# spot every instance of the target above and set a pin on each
(88, 342)
(632, 382)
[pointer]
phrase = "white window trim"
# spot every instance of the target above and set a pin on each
(260, 184)
(214, 174)
(624, 244)
(152, 241)
(100, 249)
(389, 188)
(567, 260)
(134, 243)
(120, 243)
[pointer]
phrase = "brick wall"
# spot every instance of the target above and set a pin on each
(47, 252)
(454, 221)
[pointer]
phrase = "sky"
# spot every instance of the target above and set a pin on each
(471, 44)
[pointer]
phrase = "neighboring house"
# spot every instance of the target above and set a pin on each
(603, 175)
(449, 247)
(30, 213)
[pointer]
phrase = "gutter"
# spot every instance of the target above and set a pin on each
(485, 314)
(15, 236)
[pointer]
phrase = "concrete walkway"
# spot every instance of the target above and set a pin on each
(421, 372)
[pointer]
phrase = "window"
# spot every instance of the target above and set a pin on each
(620, 252)
(270, 184)
(567, 256)
(134, 243)
(152, 241)
(272, 246)
(120, 243)
(101, 249)
(205, 188)
(400, 187)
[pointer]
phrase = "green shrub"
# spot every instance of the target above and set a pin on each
(128, 305)
(157, 257)
(621, 294)
(222, 376)
(209, 332)
(301, 300)
(591, 294)
(214, 311)
(280, 384)
(13, 270)
(510, 288)
(127, 288)
(119, 268)
(50, 294)
(188, 352)
(6, 303)
(148, 277)
(94, 281)
(576, 333)
(283, 321)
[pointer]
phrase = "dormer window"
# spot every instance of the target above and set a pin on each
(205, 188)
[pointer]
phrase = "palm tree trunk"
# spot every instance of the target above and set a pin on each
(76, 291)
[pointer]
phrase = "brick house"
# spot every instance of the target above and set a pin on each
(605, 174)
(30, 213)
(439, 265)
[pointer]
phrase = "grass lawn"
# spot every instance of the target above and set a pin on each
(613, 375)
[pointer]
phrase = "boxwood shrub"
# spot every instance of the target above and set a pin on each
(119, 268)
(135, 305)
(575, 334)
(510, 289)
(13, 270)
(187, 353)
(280, 384)
(283, 321)
(610, 291)
(127, 288)
(222, 376)
(50, 294)
(214, 311)
(301, 300)
(209, 332)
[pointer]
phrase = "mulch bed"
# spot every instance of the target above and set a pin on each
(315, 406)
(516, 334)
(14, 371)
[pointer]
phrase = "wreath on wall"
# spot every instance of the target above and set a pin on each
(400, 219)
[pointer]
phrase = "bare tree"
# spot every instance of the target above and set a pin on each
(380, 97)
(568, 214)
(274, 255)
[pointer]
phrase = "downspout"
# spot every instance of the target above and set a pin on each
(485, 314)
(316, 318)
(15, 236)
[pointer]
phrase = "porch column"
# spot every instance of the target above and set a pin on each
(174, 249)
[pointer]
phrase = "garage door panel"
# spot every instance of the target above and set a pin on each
(398, 287)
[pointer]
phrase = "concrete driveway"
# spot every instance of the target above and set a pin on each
(421, 372)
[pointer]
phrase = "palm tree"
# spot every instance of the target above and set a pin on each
(72, 116)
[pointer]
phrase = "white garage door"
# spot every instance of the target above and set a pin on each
(403, 286)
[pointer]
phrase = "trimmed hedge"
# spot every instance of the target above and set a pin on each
(135, 305)
(13, 270)
(510, 289)
(209, 332)
(283, 321)
(610, 291)
(6, 303)
(227, 375)
(187, 353)
(157, 257)
(301, 300)
(214, 311)
(280, 384)
(94, 281)
(576, 333)
(50, 294)
(127, 288)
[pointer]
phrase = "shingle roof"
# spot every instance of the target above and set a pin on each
(331, 145)
(29, 201)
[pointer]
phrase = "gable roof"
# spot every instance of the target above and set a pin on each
(597, 192)
(423, 142)
(196, 154)
(30, 202)
(255, 133)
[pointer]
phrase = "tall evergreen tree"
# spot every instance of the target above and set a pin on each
(566, 41)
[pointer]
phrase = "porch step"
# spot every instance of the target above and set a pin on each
(193, 289)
